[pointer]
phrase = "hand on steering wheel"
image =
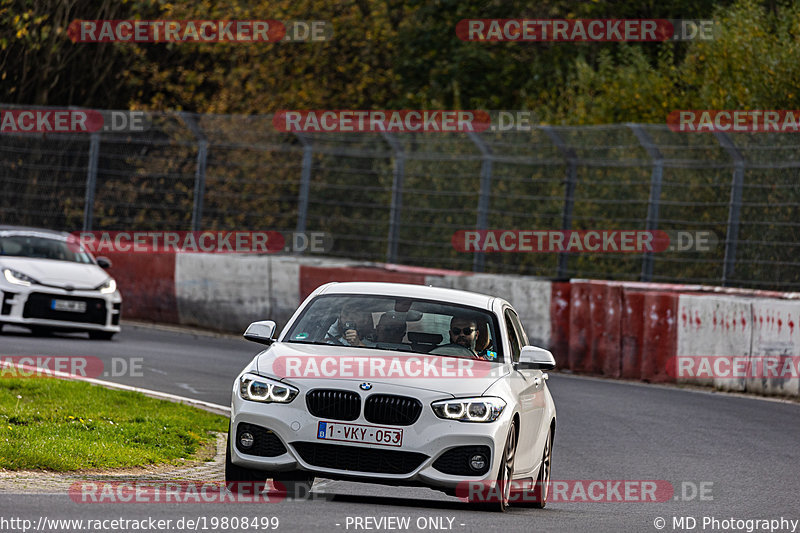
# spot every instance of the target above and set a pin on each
(454, 349)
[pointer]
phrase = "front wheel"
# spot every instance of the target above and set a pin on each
(500, 494)
(101, 335)
(41, 331)
(542, 487)
(242, 480)
(296, 483)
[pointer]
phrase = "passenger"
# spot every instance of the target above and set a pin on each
(484, 344)
(352, 328)
(391, 328)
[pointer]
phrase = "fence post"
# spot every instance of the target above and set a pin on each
(91, 181)
(200, 170)
(479, 258)
(305, 182)
(571, 158)
(735, 206)
(656, 177)
(398, 178)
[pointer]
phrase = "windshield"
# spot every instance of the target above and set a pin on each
(42, 247)
(399, 324)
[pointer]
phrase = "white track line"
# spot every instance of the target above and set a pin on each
(684, 387)
(44, 372)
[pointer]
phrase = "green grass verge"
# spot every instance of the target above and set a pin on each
(63, 425)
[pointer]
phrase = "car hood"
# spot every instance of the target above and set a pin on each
(341, 366)
(57, 273)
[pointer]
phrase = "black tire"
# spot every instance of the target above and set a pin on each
(296, 483)
(101, 335)
(502, 488)
(240, 479)
(542, 488)
(41, 331)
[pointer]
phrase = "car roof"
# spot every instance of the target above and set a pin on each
(29, 229)
(472, 299)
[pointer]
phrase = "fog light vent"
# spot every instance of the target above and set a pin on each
(246, 440)
(256, 440)
(477, 462)
(464, 461)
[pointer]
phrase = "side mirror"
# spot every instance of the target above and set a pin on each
(261, 332)
(535, 358)
(104, 262)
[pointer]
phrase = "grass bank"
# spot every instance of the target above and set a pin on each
(64, 425)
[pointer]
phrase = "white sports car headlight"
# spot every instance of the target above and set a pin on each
(18, 278)
(261, 389)
(470, 409)
(109, 287)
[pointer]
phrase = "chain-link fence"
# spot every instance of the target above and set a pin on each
(400, 197)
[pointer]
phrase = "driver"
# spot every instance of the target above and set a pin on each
(464, 332)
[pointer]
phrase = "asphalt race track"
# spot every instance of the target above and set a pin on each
(745, 452)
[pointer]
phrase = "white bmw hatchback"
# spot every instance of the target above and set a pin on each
(400, 385)
(48, 281)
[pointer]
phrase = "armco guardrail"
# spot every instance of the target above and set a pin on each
(651, 332)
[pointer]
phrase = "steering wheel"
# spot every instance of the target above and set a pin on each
(454, 349)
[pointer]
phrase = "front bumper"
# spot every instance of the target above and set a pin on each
(429, 436)
(31, 306)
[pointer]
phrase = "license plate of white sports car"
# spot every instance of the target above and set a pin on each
(360, 433)
(68, 305)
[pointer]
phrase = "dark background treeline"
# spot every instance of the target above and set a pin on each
(405, 54)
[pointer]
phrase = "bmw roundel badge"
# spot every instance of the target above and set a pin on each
(365, 386)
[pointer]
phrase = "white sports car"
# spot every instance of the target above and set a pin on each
(401, 385)
(48, 281)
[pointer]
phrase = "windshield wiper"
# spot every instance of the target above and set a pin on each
(298, 341)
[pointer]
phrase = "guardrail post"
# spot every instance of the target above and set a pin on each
(305, 182)
(479, 259)
(735, 206)
(91, 181)
(571, 159)
(398, 178)
(200, 171)
(656, 177)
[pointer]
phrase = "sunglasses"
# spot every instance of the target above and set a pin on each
(467, 331)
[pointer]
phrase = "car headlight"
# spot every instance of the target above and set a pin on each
(109, 287)
(18, 278)
(261, 389)
(470, 409)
